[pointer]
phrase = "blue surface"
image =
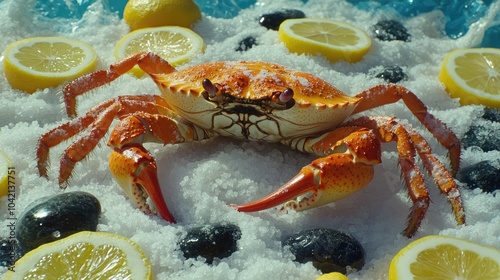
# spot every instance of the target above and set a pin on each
(459, 14)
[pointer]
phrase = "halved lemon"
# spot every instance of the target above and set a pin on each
(473, 75)
(175, 44)
(85, 255)
(333, 39)
(5, 164)
(445, 258)
(151, 13)
(42, 62)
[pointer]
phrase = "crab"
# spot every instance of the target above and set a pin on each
(255, 101)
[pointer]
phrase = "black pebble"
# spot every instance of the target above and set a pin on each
(55, 217)
(329, 250)
(392, 74)
(211, 241)
(481, 136)
(484, 175)
(246, 44)
(273, 20)
(391, 30)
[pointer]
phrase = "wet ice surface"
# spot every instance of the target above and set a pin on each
(199, 179)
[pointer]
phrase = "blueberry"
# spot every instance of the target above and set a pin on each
(484, 175)
(246, 44)
(391, 30)
(483, 137)
(392, 74)
(55, 217)
(492, 114)
(273, 20)
(10, 252)
(211, 241)
(329, 250)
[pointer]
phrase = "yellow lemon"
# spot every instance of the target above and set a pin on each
(441, 257)
(5, 167)
(333, 276)
(42, 62)
(333, 39)
(84, 255)
(152, 13)
(473, 75)
(175, 44)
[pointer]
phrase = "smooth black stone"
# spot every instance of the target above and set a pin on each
(55, 217)
(246, 44)
(392, 74)
(329, 250)
(273, 20)
(484, 175)
(482, 137)
(391, 30)
(211, 241)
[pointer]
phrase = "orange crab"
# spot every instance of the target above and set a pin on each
(255, 101)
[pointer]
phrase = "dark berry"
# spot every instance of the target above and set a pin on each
(484, 175)
(273, 20)
(482, 137)
(392, 74)
(391, 30)
(491, 114)
(55, 217)
(329, 250)
(246, 44)
(211, 241)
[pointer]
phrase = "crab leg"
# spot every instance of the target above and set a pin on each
(147, 61)
(347, 166)
(389, 93)
(133, 167)
(351, 152)
(384, 126)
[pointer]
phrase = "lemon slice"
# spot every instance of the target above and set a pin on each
(42, 62)
(473, 75)
(84, 255)
(175, 44)
(445, 258)
(5, 163)
(333, 39)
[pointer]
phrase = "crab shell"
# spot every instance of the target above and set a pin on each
(246, 107)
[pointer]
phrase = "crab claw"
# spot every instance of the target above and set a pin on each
(325, 180)
(135, 171)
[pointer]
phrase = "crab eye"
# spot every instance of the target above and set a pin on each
(209, 87)
(286, 95)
